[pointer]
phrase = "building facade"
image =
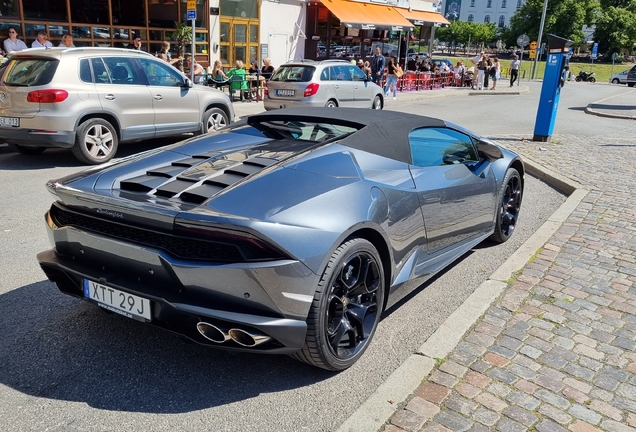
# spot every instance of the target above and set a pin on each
(484, 11)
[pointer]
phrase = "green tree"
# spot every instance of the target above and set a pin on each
(564, 18)
(616, 26)
(463, 32)
(182, 35)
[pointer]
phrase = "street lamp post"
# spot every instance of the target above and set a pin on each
(545, 7)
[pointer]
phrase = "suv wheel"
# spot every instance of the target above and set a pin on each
(214, 119)
(95, 141)
(331, 104)
(26, 150)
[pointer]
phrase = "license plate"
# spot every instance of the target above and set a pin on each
(10, 121)
(285, 92)
(117, 301)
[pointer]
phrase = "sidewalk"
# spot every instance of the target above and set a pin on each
(620, 106)
(556, 350)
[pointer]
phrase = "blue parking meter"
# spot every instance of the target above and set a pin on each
(556, 68)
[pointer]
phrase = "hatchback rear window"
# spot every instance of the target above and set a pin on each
(30, 72)
(294, 73)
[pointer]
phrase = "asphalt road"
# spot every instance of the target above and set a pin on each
(67, 366)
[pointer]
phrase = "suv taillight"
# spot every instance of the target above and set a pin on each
(311, 89)
(47, 96)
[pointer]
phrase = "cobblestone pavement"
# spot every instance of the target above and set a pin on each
(557, 351)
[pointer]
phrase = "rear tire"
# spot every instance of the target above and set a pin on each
(346, 308)
(26, 150)
(96, 142)
(592, 80)
(507, 215)
(331, 104)
(377, 103)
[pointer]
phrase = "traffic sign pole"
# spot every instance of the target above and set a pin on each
(192, 15)
(545, 7)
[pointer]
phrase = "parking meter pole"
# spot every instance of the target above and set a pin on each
(553, 80)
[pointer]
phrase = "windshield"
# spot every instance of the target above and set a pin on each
(30, 72)
(294, 74)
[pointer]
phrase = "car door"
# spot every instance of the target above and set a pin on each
(176, 105)
(456, 188)
(342, 84)
(123, 92)
(363, 93)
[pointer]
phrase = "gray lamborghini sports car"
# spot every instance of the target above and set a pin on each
(286, 232)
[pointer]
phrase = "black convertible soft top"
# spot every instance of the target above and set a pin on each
(385, 133)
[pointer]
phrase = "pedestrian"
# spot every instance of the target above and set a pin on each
(488, 71)
(496, 67)
(377, 66)
(137, 44)
(67, 41)
(268, 70)
(42, 41)
(481, 72)
(476, 61)
(12, 43)
(392, 77)
(360, 64)
(164, 52)
(514, 69)
(366, 68)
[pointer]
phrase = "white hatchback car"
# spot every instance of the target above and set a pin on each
(91, 99)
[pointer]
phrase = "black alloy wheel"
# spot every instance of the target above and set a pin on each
(346, 308)
(510, 205)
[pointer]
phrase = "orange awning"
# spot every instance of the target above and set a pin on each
(367, 16)
(421, 17)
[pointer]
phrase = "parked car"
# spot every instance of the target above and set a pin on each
(287, 232)
(326, 83)
(619, 78)
(91, 99)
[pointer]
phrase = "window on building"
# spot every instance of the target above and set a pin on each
(472, 3)
(9, 9)
(471, 18)
(52, 10)
(487, 19)
(489, 4)
(502, 21)
(519, 3)
(90, 11)
(503, 4)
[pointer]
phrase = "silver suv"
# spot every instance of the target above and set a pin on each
(91, 99)
(327, 83)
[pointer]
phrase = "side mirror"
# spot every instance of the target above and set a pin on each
(489, 151)
(187, 83)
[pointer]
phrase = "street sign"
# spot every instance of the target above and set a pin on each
(523, 40)
(594, 54)
(614, 56)
(192, 5)
(533, 53)
(192, 14)
(533, 45)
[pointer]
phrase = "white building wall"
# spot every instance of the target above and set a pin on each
(283, 26)
(480, 9)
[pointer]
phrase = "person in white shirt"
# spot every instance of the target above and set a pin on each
(67, 41)
(12, 43)
(514, 69)
(42, 41)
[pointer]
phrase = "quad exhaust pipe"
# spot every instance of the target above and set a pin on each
(240, 336)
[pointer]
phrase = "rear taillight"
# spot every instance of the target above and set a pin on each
(311, 89)
(265, 92)
(47, 96)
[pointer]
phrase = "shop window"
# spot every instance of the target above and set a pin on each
(51, 10)
(132, 12)
(253, 33)
(9, 9)
(89, 11)
(239, 9)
